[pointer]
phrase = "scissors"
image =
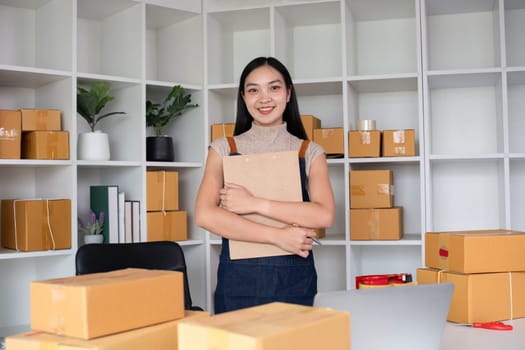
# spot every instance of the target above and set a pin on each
(496, 326)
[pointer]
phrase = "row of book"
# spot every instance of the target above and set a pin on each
(122, 222)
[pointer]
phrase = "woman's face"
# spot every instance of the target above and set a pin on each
(266, 96)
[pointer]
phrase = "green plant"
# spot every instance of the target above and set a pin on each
(158, 115)
(90, 103)
(93, 226)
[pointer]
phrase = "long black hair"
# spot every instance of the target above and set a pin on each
(291, 114)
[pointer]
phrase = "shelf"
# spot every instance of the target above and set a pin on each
(13, 254)
(408, 239)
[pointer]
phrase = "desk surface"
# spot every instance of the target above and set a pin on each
(457, 337)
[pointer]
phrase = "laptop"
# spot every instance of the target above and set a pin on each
(392, 318)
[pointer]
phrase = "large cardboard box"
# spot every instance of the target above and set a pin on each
(10, 134)
(273, 175)
(481, 297)
(163, 336)
(41, 119)
(36, 224)
(95, 305)
(162, 190)
(476, 251)
(269, 327)
(221, 130)
(310, 123)
(331, 139)
(364, 143)
(371, 189)
(376, 224)
(45, 145)
(399, 143)
(167, 226)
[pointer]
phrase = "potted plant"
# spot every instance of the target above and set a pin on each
(158, 116)
(92, 230)
(94, 145)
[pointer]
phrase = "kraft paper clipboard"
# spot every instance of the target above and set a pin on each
(273, 176)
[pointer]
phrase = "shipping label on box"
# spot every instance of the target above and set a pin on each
(481, 297)
(36, 224)
(376, 224)
(167, 226)
(41, 120)
(475, 251)
(331, 139)
(371, 189)
(162, 190)
(10, 134)
(45, 145)
(364, 143)
(222, 130)
(310, 123)
(94, 305)
(399, 143)
(274, 176)
(268, 327)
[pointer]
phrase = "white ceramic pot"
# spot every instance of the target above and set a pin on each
(93, 146)
(93, 239)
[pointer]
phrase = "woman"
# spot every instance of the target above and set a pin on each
(268, 120)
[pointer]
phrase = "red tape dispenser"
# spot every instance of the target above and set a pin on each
(383, 280)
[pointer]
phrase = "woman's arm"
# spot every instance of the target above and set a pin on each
(214, 218)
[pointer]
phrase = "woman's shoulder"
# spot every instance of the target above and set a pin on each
(221, 146)
(314, 150)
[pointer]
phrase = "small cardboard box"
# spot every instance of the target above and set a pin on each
(162, 190)
(10, 134)
(221, 130)
(45, 145)
(331, 139)
(399, 143)
(268, 327)
(41, 120)
(376, 224)
(163, 336)
(371, 189)
(167, 226)
(475, 251)
(99, 304)
(310, 123)
(481, 297)
(36, 224)
(364, 143)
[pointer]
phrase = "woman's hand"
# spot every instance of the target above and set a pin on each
(296, 240)
(237, 199)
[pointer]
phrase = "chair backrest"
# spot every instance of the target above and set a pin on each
(160, 255)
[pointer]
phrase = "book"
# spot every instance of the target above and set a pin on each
(128, 222)
(104, 198)
(136, 221)
(121, 228)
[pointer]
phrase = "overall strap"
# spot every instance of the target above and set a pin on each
(233, 146)
(304, 146)
(302, 168)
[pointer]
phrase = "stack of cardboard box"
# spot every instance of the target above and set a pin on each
(165, 221)
(487, 268)
(130, 309)
(372, 213)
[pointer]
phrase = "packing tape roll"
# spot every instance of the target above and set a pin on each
(366, 124)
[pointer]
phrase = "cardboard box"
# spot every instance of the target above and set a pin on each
(399, 143)
(310, 123)
(94, 305)
(476, 251)
(268, 327)
(371, 189)
(273, 175)
(481, 297)
(364, 143)
(162, 190)
(45, 145)
(40, 224)
(167, 226)
(376, 224)
(10, 134)
(163, 336)
(41, 120)
(332, 140)
(222, 130)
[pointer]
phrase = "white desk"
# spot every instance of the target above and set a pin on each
(457, 337)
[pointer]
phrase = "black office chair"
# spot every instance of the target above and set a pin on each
(161, 255)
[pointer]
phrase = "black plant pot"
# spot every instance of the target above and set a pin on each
(159, 149)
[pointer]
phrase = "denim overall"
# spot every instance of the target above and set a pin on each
(255, 281)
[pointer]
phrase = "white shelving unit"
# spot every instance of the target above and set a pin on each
(408, 64)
